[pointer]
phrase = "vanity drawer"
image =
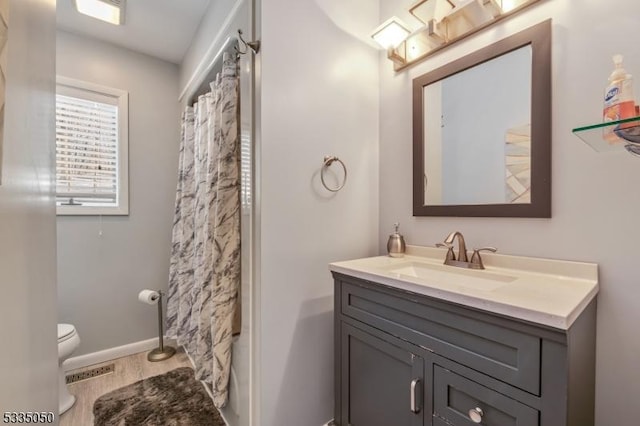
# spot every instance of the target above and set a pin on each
(455, 397)
(505, 354)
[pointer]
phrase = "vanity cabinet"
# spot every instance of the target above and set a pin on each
(385, 380)
(403, 358)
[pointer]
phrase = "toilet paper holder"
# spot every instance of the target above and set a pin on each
(162, 352)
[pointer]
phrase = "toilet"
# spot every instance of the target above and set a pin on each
(68, 341)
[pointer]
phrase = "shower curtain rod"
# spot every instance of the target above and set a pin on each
(229, 46)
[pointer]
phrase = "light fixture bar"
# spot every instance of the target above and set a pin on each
(445, 22)
(493, 7)
(435, 34)
(111, 11)
(398, 55)
(427, 10)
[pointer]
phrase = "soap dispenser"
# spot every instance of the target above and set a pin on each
(396, 245)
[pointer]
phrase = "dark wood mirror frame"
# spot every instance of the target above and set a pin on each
(539, 37)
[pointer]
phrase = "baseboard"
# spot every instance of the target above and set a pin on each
(112, 353)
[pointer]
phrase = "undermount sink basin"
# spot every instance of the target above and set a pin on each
(469, 278)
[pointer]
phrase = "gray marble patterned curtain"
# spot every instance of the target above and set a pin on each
(204, 274)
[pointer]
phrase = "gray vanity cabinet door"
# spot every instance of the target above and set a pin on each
(377, 382)
(461, 402)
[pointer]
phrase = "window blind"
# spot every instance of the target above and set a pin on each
(86, 152)
(245, 172)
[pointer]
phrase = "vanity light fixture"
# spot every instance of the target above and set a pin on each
(111, 11)
(498, 7)
(508, 5)
(444, 23)
(427, 10)
(390, 33)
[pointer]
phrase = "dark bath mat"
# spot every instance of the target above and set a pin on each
(175, 398)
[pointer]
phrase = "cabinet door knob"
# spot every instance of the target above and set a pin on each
(475, 414)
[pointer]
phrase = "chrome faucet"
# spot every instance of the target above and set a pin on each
(462, 248)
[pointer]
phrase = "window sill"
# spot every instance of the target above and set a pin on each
(91, 211)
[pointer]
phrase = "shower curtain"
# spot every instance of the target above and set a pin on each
(204, 274)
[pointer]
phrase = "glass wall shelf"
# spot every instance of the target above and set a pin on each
(612, 136)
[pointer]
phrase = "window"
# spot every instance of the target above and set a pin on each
(91, 149)
(245, 172)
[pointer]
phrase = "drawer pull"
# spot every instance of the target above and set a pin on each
(415, 408)
(475, 414)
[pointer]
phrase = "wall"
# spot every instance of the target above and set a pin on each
(28, 376)
(99, 276)
(318, 96)
(216, 16)
(595, 198)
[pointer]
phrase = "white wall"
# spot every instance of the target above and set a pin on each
(217, 14)
(319, 96)
(28, 359)
(595, 196)
(99, 276)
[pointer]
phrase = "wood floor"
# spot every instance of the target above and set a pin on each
(128, 370)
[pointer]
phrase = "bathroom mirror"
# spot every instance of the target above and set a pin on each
(482, 131)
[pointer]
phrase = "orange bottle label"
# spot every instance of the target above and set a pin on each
(616, 112)
(620, 111)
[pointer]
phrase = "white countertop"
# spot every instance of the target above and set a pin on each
(543, 291)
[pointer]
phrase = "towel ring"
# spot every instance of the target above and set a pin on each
(328, 160)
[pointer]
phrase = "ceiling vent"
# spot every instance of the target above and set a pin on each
(111, 11)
